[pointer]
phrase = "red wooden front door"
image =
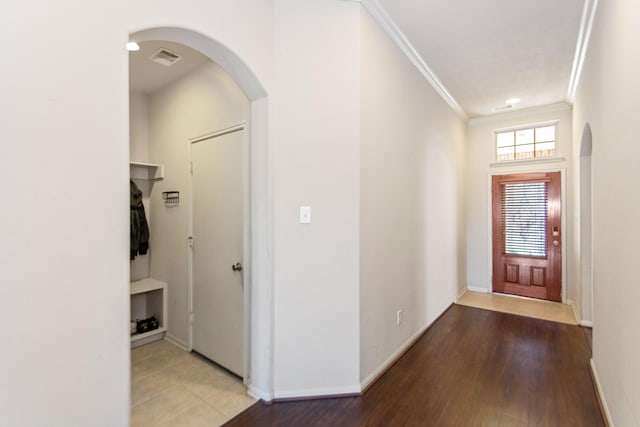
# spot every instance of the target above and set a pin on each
(527, 255)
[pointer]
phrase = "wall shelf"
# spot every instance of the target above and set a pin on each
(146, 171)
(149, 297)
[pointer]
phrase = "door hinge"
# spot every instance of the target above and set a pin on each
(191, 168)
(191, 318)
(190, 241)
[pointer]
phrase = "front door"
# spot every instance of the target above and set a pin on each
(217, 249)
(527, 256)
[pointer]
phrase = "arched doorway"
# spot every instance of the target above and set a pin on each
(586, 220)
(258, 287)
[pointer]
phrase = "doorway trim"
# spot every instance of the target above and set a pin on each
(563, 221)
(585, 232)
(259, 376)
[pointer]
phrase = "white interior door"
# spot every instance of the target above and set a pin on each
(217, 250)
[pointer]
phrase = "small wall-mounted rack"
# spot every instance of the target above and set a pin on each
(146, 171)
(171, 198)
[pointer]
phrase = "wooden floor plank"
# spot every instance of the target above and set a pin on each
(473, 367)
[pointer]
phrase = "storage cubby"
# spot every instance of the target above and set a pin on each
(148, 298)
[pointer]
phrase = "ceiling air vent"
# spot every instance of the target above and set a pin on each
(165, 57)
(502, 108)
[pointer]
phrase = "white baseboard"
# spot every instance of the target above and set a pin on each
(579, 321)
(462, 292)
(259, 394)
(391, 359)
(398, 353)
(575, 311)
(318, 393)
(175, 341)
(477, 289)
(601, 399)
(252, 391)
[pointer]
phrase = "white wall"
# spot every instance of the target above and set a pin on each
(412, 215)
(65, 244)
(139, 152)
(480, 155)
(64, 224)
(138, 127)
(316, 161)
(607, 100)
(204, 101)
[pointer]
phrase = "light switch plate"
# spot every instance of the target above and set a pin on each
(305, 214)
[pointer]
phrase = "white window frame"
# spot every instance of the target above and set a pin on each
(526, 127)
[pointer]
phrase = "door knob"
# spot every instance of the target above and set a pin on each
(236, 267)
(556, 243)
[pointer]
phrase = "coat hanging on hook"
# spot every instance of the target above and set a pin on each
(139, 226)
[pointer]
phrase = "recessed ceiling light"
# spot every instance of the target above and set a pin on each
(512, 101)
(133, 46)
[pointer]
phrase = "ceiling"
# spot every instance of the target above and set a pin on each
(479, 53)
(485, 52)
(146, 76)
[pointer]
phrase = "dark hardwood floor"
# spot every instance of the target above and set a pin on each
(473, 367)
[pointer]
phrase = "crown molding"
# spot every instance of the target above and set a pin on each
(584, 34)
(384, 20)
(524, 112)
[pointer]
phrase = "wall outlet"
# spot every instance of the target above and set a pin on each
(399, 317)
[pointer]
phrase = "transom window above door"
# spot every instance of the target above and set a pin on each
(525, 143)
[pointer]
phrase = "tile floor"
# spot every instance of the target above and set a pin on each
(171, 387)
(546, 310)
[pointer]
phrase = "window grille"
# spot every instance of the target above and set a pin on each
(524, 218)
(524, 144)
